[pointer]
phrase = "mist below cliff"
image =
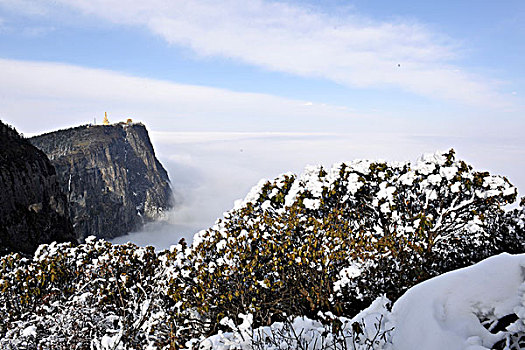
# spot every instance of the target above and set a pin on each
(209, 171)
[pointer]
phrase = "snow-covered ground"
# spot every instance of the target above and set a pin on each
(445, 312)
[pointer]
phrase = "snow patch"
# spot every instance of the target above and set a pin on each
(442, 313)
(29, 331)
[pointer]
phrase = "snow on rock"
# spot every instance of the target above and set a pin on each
(442, 313)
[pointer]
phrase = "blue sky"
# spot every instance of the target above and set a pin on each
(304, 79)
(405, 61)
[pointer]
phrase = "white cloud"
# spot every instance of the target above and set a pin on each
(39, 96)
(26, 7)
(37, 31)
(346, 48)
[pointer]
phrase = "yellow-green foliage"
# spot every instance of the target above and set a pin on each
(325, 243)
(333, 240)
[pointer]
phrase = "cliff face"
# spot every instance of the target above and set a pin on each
(110, 174)
(33, 209)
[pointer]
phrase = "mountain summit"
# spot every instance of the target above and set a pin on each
(112, 179)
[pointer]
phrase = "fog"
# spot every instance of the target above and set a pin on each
(209, 171)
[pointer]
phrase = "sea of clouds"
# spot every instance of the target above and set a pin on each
(209, 171)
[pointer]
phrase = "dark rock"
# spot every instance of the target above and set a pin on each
(33, 209)
(113, 181)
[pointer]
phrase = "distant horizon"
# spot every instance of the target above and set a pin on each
(210, 170)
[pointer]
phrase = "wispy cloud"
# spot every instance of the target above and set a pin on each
(38, 31)
(27, 7)
(346, 48)
(40, 96)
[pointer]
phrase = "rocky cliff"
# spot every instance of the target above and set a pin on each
(33, 209)
(113, 181)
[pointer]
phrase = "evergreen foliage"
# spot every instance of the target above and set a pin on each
(94, 296)
(334, 240)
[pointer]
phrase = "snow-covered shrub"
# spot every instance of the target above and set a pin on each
(366, 331)
(93, 296)
(479, 307)
(313, 249)
(511, 228)
(334, 240)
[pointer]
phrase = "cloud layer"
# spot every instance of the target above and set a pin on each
(339, 45)
(38, 96)
(211, 170)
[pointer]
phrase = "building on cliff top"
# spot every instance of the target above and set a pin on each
(105, 121)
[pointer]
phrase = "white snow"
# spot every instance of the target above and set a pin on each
(436, 157)
(108, 342)
(385, 191)
(29, 331)
(385, 208)
(252, 196)
(345, 275)
(353, 183)
(266, 205)
(455, 187)
(311, 203)
(408, 178)
(448, 172)
(300, 333)
(434, 179)
(441, 313)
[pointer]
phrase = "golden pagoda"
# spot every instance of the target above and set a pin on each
(105, 121)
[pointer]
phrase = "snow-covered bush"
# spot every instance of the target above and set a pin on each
(334, 240)
(93, 296)
(366, 331)
(511, 227)
(480, 307)
(288, 267)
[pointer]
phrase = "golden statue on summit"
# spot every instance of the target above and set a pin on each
(105, 121)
